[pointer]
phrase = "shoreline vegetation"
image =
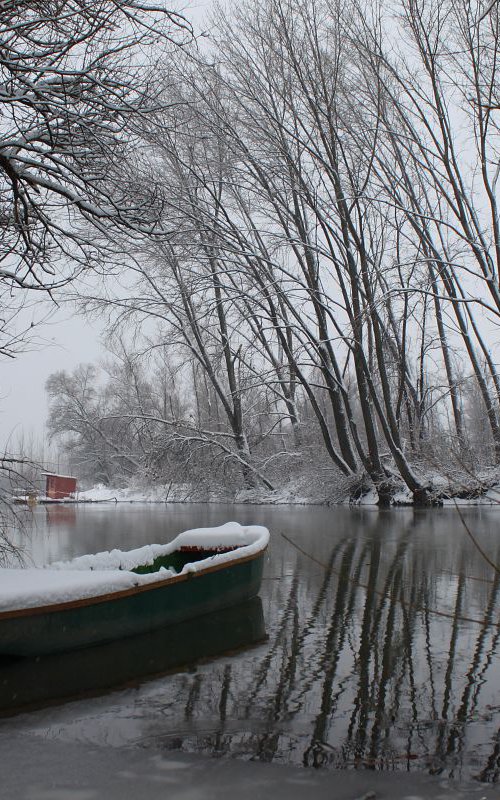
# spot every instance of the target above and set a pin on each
(482, 491)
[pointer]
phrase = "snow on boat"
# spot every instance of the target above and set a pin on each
(98, 598)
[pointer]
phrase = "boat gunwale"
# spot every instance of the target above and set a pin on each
(130, 592)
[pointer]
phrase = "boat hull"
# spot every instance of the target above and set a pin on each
(50, 679)
(51, 629)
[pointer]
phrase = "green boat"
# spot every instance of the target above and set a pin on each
(107, 596)
(39, 681)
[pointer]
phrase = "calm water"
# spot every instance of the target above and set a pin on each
(376, 644)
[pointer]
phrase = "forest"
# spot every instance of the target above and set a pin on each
(290, 228)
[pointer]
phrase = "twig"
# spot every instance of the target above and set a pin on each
(474, 540)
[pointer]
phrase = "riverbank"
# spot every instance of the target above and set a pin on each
(485, 490)
(40, 768)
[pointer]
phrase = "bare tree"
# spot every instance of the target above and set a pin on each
(437, 162)
(100, 447)
(74, 76)
(329, 245)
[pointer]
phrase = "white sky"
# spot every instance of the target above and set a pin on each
(65, 341)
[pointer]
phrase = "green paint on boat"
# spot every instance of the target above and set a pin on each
(174, 561)
(45, 680)
(214, 585)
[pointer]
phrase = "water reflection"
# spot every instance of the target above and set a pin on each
(60, 515)
(383, 651)
(49, 679)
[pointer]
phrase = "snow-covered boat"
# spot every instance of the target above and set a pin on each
(106, 596)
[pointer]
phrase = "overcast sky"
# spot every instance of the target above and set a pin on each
(65, 341)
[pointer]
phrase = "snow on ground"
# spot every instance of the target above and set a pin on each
(131, 494)
(493, 494)
(369, 499)
(486, 484)
(50, 768)
(180, 493)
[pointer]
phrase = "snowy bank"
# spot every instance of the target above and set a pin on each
(133, 494)
(445, 487)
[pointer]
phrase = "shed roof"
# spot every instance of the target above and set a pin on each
(58, 475)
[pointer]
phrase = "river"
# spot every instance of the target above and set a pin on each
(374, 646)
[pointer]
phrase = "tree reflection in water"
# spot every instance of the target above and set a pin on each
(382, 649)
(382, 654)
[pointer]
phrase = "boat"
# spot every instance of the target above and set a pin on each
(106, 596)
(41, 681)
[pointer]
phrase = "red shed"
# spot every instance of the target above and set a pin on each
(58, 487)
